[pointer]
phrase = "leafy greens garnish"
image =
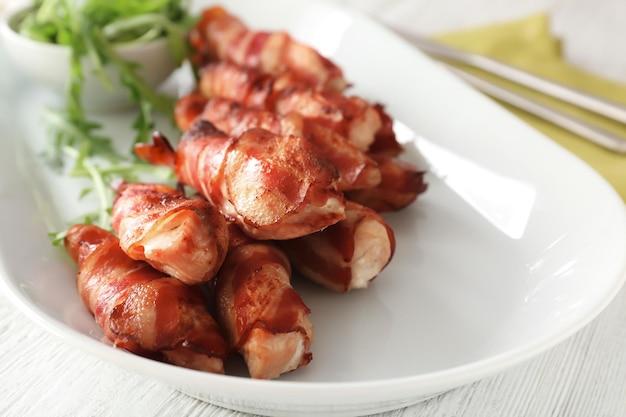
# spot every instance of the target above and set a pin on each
(92, 29)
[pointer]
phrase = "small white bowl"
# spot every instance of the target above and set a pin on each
(49, 64)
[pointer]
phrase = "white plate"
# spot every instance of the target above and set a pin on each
(515, 246)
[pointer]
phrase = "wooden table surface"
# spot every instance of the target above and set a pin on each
(583, 376)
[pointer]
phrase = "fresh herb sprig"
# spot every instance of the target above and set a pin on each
(92, 29)
(103, 176)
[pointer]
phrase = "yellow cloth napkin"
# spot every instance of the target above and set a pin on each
(527, 44)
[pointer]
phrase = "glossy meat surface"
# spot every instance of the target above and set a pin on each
(366, 125)
(356, 169)
(401, 183)
(185, 238)
(347, 255)
(273, 186)
(141, 309)
(220, 36)
(263, 317)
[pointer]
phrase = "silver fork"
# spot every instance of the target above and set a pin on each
(578, 98)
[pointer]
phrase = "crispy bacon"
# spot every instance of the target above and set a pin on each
(385, 142)
(366, 125)
(401, 183)
(141, 309)
(263, 317)
(347, 255)
(289, 172)
(247, 86)
(185, 238)
(220, 36)
(350, 116)
(188, 108)
(273, 186)
(356, 169)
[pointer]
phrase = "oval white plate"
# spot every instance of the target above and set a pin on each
(515, 246)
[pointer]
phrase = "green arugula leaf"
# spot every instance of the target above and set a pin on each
(92, 29)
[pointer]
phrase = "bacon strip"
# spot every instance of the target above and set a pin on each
(356, 169)
(221, 36)
(185, 238)
(273, 186)
(366, 125)
(141, 309)
(401, 183)
(263, 317)
(247, 86)
(347, 255)
(188, 108)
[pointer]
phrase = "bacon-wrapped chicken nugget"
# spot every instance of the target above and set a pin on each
(220, 36)
(366, 125)
(263, 317)
(356, 169)
(401, 183)
(185, 238)
(347, 255)
(273, 186)
(141, 309)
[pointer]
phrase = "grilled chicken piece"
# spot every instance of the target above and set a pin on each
(366, 125)
(272, 186)
(356, 169)
(263, 317)
(188, 108)
(185, 238)
(401, 183)
(141, 309)
(347, 255)
(220, 36)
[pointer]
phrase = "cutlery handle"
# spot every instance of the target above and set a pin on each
(593, 133)
(587, 101)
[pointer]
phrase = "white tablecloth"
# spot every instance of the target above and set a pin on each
(583, 376)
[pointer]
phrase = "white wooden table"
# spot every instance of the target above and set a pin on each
(41, 375)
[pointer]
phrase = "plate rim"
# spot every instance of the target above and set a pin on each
(437, 381)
